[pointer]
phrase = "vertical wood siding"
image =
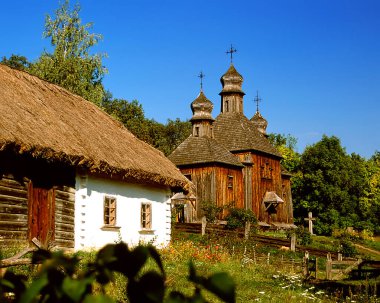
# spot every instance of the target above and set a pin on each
(211, 184)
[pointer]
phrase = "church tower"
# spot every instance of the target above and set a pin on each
(202, 119)
(258, 120)
(232, 93)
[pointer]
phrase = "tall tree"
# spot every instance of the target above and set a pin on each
(286, 145)
(71, 64)
(165, 137)
(331, 184)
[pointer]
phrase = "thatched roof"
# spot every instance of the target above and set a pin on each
(236, 133)
(48, 122)
(201, 150)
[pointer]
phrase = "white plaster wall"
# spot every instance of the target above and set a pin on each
(89, 199)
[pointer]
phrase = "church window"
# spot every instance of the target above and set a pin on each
(196, 131)
(266, 171)
(230, 181)
(109, 211)
(226, 106)
(146, 216)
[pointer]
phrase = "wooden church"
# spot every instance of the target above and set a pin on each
(231, 161)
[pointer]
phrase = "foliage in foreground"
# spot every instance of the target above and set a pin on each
(60, 281)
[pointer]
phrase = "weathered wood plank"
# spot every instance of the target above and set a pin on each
(64, 236)
(13, 200)
(13, 217)
(64, 196)
(61, 243)
(64, 227)
(13, 209)
(11, 183)
(13, 234)
(13, 192)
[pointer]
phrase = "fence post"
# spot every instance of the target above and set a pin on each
(268, 258)
(328, 267)
(247, 229)
(293, 242)
(306, 264)
(204, 223)
(340, 257)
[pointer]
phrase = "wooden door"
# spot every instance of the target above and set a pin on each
(41, 213)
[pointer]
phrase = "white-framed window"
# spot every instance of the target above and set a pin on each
(109, 208)
(146, 216)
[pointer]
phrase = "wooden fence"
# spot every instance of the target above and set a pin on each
(220, 230)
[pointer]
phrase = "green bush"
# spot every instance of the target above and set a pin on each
(303, 236)
(60, 280)
(347, 248)
(211, 211)
(237, 218)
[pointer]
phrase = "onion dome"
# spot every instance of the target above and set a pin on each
(260, 122)
(202, 108)
(232, 81)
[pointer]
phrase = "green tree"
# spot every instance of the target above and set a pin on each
(286, 145)
(165, 137)
(71, 65)
(17, 62)
(174, 133)
(331, 184)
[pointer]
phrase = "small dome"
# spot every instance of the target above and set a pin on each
(202, 108)
(232, 81)
(259, 121)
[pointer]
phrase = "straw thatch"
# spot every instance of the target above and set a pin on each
(48, 122)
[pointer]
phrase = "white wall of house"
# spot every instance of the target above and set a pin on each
(90, 231)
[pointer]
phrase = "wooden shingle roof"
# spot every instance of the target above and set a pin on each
(202, 150)
(236, 133)
(48, 122)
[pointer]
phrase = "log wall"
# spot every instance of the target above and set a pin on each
(14, 213)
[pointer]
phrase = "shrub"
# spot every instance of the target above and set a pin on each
(347, 248)
(303, 236)
(211, 211)
(60, 281)
(237, 218)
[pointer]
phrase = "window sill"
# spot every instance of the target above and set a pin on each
(146, 231)
(110, 228)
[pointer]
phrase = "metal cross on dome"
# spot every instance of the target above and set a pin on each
(201, 76)
(257, 100)
(231, 51)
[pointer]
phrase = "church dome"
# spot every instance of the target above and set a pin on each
(260, 122)
(232, 81)
(202, 108)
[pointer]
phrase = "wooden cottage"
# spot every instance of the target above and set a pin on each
(73, 176)
(250, 174)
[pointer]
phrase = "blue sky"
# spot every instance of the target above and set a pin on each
(316, 64)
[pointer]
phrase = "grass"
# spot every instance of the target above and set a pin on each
(278, 281)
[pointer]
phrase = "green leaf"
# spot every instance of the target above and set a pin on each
(222, 285)
(156, 256)
(75, 289)
(150, 288)
(34, 290)
(98, 299)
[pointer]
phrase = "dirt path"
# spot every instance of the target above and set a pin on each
(370, 250)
